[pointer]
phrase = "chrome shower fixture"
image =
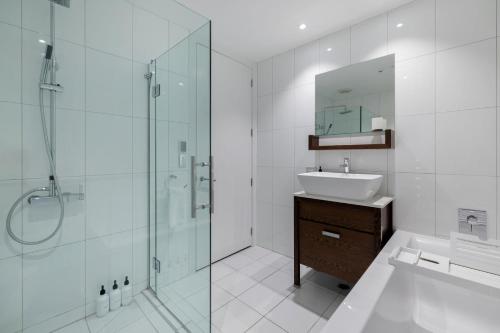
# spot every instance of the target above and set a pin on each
(64, 3)
(47, 82)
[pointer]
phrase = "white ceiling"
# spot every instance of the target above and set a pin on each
(253, 30)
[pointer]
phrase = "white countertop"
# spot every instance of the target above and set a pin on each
(375, 202)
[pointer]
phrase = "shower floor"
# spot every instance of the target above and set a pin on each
(139, 317)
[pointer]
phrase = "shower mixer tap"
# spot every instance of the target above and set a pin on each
(52, 194)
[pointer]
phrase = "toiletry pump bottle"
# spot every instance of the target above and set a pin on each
(102, 303)
(115, 297)
(126, 292)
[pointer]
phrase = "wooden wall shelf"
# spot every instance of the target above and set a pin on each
(388, 143)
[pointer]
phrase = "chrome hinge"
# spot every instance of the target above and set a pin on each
(156, 90)
(156, 264)
(251, 83)
(251, 132)
(251, 231)
(251, 181)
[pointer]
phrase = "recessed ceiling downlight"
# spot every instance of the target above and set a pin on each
(399, 25)
(302, 26)
(329, 49)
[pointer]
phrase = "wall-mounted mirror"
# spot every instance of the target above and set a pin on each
(356, 99)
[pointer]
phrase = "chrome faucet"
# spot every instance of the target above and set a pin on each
(346, 165)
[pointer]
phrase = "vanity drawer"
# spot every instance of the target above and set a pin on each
(334, 250)
(360, 218)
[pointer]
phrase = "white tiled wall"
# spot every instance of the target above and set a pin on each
(103, 48)
(446, 117)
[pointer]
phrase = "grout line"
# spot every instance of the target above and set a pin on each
(51, 248)
(22, 169)
(496, 118)
(478, 41)
(84, 162)
(133, 180)
(86, 322)
(435, 118)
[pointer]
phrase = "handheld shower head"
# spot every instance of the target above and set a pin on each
(48, 52)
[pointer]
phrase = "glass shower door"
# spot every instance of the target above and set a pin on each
(181, 181)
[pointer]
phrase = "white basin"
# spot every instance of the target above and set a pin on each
(350, 186)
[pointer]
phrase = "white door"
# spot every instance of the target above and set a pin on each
(232, 151)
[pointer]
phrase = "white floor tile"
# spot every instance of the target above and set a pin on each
(201, 302)
(320, 324)
(142, 326)
(276, 260)
(280, 282)
(256, 252)
(235, 317)
(265, 326)
(238, 261)
(236, 283)
(219, 270)
(261, 298)
(185, 311)
(293, 317)
(313, 297)
(258, 271)
(220, 297)
(160, 320)
(115, 320)
(305, 272)
(329, 282)
(202, 327)
(191, 284)
(333, 307)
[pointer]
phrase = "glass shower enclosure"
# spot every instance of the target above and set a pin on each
(180, 181)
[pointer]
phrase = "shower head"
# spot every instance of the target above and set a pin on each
(64, 3)
(48, 52)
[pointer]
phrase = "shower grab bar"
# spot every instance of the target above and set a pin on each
(212, 180)
(194, 179)
(193, 187)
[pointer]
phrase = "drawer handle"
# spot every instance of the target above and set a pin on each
(330, 234)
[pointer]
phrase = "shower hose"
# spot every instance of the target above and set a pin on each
(58, 193)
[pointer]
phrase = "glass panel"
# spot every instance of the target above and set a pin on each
(180, 152)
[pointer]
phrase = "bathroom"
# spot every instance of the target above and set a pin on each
(160, 166)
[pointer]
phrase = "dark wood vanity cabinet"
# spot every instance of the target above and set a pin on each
(337, 238)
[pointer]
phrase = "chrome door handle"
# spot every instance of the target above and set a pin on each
(330, 234)
(212, 201)
(193, 187)
(194, 179)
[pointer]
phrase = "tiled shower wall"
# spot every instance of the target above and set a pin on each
(446, 117)
(102, 48)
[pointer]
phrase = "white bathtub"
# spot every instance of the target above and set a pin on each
(389, 300)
